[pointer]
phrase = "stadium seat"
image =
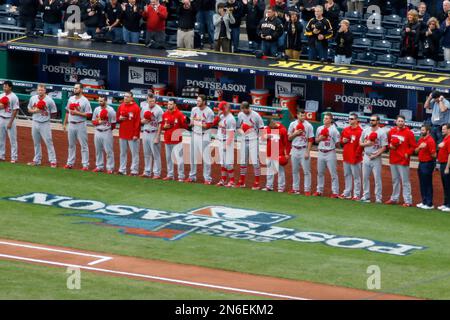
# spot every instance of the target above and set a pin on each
(331, 54)
(304, 53)
(376, 33)
(9, 21)
(394, 34)
(426, 64)
(358, 30)
(406, 62)
(4, 8)
(443, 66)
(385, 60)
(381, 46)
(353, 17)
(392, 21)
(370, 15)
(171, 27)
(395, 48)
(365, 58)
(171, 40)
(362, 44)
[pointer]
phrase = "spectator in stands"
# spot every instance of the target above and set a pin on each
(424, 16)
(52, 15)
(431, 37)
(72, 23)
(186, 22)
(445, 30)
(344, 43)
(254, 11)
(28, 10)
(131, 16)
(410, 36)
(113, 13)
(319, 31)
(156, 15)
(205, 19)
(306, 8)
(222, 31)
(93, 16)
(269, 31)
(236, 8)
(444, 13)
(355, 5)
(294, 31)
(440, 113)
(332, 11)
(282, 14)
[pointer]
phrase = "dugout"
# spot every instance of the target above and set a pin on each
(320, 87)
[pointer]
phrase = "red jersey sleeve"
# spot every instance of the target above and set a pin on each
(412, 143)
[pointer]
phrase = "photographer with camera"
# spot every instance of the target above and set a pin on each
(93, 16)
(222, 31)
(269, 31)
(319, 31)
(156, 15)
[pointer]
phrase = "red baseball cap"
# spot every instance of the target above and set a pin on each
(148, 115)
(103, 114)
(325, 132)
(373, 136)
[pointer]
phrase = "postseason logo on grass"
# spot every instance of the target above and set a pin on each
(220, 221)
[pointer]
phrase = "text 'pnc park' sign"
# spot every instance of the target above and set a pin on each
(219, 221)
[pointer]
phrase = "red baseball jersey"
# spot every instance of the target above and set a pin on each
(177, 120)
(444, 151)
(131, 126)
(352, 152)
(407, 144)
(425, 153)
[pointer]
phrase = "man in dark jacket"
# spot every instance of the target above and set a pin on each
(332, 12)
(27, 14)
(187, 12)
(113, 12)
(270, 29)
(319, 31)
(443, 11)
(235, 8)
(445, 30)
(344, 43)
(93, 16)
(306, 8)
(205, 15)
(255, 12)
(52, 15)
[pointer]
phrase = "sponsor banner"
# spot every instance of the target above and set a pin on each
(141, 75)
(218, 221)
(288, 87)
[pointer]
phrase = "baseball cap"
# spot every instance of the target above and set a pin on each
(435, 94)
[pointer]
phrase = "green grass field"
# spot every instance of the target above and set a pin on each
(424, 274)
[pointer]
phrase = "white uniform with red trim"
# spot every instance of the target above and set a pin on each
(152, 150)
(225, 136)
(327, 159)
(5, 117)
(103, 139)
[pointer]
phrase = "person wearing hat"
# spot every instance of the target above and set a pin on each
(42, 109)
(294, 31)
(440, 113)
(301, 136)
(277, 154)
(151, 118)
(225, 136)
(9, 107)
(270, 29)
(104, 121)
(328, 137)
(374, 142)
(402, 144)
(352, 158)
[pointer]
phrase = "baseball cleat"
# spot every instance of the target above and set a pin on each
(256, 186)
(97, 170)
(344, 197)
(307, 194)
(280, 190)
(133, 174)
(167, 178)
(294, 192)
(189, 180)
(68, 166)
(446, 209)
(407, 205)
(53, 165)
(181, 180)
(419, 205)
(266, 189)
(13, 161)
(355, 198)
(207, 183)
(156, 177)
(239, 185)
(85, 169)
(365, 200)
(334, 196)
(221, 183)
(230, 184)
(145, 175)
(317, 194)
(441, 207)
(391, 202)
(120, 173)
(109, 172)
(33, 164)
(425, 207)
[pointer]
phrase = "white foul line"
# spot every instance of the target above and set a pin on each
(198, 284)
(100, 258)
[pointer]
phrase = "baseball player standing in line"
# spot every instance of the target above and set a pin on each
(426, 151)
(444, 166)
(374, 142)
(151, 118)
(402, 144)
(327, 136)
(9, 107)
(104, 121)
(129, 131)
(277, 150)
(173, 124)
(42, 109)
(225, 137)
(78, 110)
(352, 158)
(301, 135)
(249, 123)
(202, 118)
